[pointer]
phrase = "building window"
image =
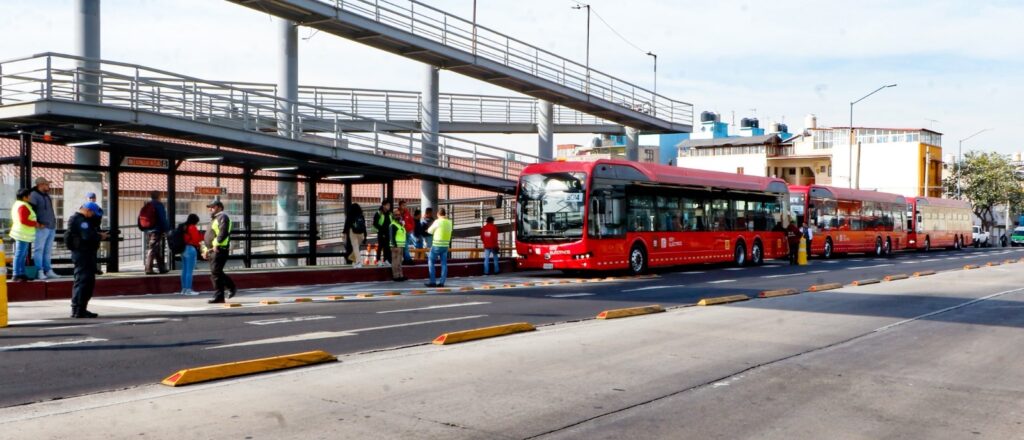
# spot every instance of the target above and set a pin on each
(830, 171)
(792, 171)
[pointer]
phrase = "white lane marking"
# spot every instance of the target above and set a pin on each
(950, 258)
(287, 320)
(138, 305)
(961, 305)
(338, 334)
(818, 271)
(830, 262)
(445, 306)
(785, 275)
(653, 288)
(857, 259)
(29, 321)
(45, 344)
(868, 267)
(736, 268)
(571, 295)
(110, 323)
(910, 262)
(692, 272)
(721, 281)
(930, 260)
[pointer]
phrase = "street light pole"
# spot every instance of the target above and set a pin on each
(655, 56)
(581, 6)
(960, 159)
(850, 151)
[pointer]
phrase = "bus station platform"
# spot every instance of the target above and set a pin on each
(136, 283)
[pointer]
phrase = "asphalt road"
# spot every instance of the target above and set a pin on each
(141, 340)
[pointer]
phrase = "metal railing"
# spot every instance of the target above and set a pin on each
(58, 77)
(452, 31)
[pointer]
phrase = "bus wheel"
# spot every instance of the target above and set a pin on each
(927, 244)
(637, 259)
(878, 247)
(740, 255)
(757, 254)
(827, 252)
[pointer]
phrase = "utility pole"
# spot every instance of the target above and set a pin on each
(850, 152)
(581, 6)
(960, 159)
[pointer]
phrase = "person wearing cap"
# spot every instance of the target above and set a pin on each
(216, 247)
(84, 238)
(153, 221)
(23, 231)
(98, 220)
(42, 248)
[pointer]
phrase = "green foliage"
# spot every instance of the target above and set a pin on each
(987, 180)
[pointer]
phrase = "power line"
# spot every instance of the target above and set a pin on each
(609, 26)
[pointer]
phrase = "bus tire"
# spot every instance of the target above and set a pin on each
(637, 259)
(829, 250)
(739, 255)
(757, 253)
(927, 244)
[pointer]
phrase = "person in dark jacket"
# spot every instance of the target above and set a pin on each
(382, 224)
(156, 234)
(355, 234)
(793, 239)
(42, 248)
(216, 247)
(86, 238)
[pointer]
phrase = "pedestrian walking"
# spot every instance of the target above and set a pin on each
(83, 240)
(489, 238)
(808, 234)
(410, 228)
(46, 231)
(441, 230)
(193, 241)
(216, 247)
(398, 240)
(381, 224)
(793, 240)
(23, 231)
(153, 222)
(355, 233)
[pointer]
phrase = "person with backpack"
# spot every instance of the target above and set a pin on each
(23, 231)
(398, 239)
(381, 224)
(46, 232)
(83, 238)
(355, 233)
(489, 238)
(186, 240)
(153, 222)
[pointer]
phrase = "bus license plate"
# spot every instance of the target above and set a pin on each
(549, 265)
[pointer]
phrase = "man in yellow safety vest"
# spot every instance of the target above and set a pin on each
(441, 230)
(217, 242)
(23, 231)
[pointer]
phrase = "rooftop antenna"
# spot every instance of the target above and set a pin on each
(932, 122)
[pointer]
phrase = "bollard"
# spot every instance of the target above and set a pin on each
(801, 254)
(3, 286)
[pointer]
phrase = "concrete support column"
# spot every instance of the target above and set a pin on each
(288, 91)
(632, 144)
(545, 130)
(429, 120)
(87, 44)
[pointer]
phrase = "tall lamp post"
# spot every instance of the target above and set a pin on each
(960, 158)
(581, 6)
(850, 153)
(654, 99)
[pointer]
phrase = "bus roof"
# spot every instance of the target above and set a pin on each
(849, 194)
(670, 174)
(936, 201)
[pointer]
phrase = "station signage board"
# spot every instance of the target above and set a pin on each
(328, 196)
(145, 162)
(210, 191)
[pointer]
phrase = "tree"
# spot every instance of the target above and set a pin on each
(987, 180)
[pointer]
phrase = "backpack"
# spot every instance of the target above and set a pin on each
(147, 217)
(359, 225)
(176, 239)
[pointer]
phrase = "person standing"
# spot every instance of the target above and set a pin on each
(193, 242)
(216, 247)
(381, 224)
(808, 234)
(425, 222)
(410, 228)
(153, 222)
(398, 240)
(441, 230)
(793, 239)
(84, 238)
(23, 231)
(489, 238)
(355, 233)
(98, 219)
(42, 247)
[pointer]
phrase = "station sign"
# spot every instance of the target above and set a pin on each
(145, 162)
(328, 196)
(210, 191)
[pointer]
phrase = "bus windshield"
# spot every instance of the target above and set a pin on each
(550, 207)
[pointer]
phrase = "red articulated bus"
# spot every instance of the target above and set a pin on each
(614, 214)
(850, 220)
(934, 222)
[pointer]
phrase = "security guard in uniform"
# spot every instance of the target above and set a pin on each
(85, 237)
(216, 248)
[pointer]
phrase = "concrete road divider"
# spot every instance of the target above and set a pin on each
(1010, 261)
(335, 298)
(483, 333)
(722, 300)
(443, 290)
(992, 263)
(303, 300)
(924, 273)
(235, 369)
(466, 288)
(268, 302)
(631, 311)
(894, 277)
(392, 293)
(777, 292)
(364, 295)
(525, 284)
(970, 266)
(865, 282)
(509, 285)
(231, 305)
(823, 287)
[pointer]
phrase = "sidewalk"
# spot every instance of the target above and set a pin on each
(523, 385)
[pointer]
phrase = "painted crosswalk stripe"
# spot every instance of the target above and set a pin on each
(48, 344)
(570, 295)
(338, 334)
(445, 306)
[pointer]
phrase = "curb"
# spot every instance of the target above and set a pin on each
(924, 273)
(865, 282)
(268, 302)
(722, 300)
(821, 287)
(335, 298)
(231, 305)
(303, 300)
(970, 266)
(777, 292)
(483, 333)
(899, 276)
(631, 311)
(467, 289)
(234, 369)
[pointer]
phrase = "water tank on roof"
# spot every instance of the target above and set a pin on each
(810, 122)
(783, 128)
(776, 127)
(1016, 157)
(596, 142)
(707, 116)
(754, 123)
(745, 123)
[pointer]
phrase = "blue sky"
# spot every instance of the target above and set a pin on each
(956, 62)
